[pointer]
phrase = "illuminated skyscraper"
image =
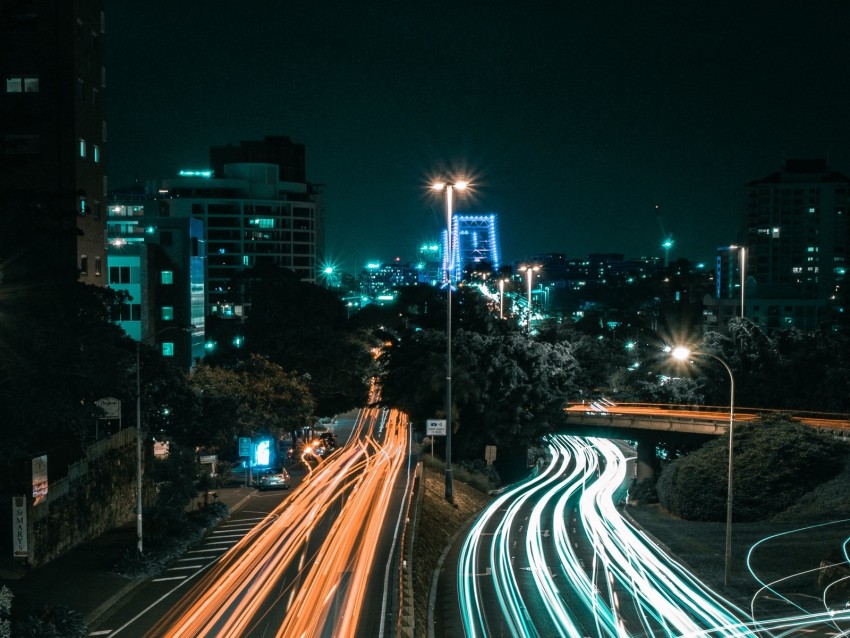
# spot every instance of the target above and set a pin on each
(475, 241)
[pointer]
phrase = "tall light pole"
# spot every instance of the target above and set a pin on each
(530, 270)
(501, 299)
(449, 188)
(683, 354)
(742, 253)
(139, 544)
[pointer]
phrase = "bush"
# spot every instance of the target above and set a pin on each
(6, 597)
(53, 622)
(152, 562)
(776, 462)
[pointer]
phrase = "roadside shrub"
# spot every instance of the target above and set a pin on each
(6, 597)
(53, 622)
(776, 462)
(156, 556)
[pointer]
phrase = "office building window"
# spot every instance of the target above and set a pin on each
(166, 277)
(82, 147)
(96, 153)
(119, 274)
(167, 313)
(98, 266)
(167, 349)
(84, 265)
(22, 84)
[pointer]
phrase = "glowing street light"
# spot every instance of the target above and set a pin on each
(501, 299)
(683, 353)
(530, 270)
(449, 188)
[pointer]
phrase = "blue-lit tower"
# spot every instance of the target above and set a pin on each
(475, 240)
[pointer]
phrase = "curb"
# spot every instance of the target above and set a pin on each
(124, 591)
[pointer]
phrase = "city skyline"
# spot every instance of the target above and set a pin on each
(573, 123)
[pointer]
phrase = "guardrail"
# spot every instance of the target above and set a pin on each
(691, 419)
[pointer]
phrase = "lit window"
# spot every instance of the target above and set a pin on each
(811, 209)
(98, 264)
(14, 85)
(167, 313)
(166, 277)
(84, 265)
(82, 147)
(96, 153)
(168, 349)
(245, 260)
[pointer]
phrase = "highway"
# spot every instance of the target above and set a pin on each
(307, 566)
(553, 556)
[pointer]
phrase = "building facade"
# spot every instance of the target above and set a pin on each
(53, 135)
(250, 217)
(159, 262)
(797, 238)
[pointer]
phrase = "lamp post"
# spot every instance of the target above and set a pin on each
(501, 299)
(139, 544)
(683, 354)
(742, 251)
(449, 188)
(530, 270)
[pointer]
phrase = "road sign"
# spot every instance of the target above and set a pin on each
(244, 446)
(435, 427)
(111, 407)
(209, 458)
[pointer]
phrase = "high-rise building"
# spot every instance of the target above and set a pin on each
(250, 217)
(53, 136)
(475, 242)
(797, 238)
(159, 263)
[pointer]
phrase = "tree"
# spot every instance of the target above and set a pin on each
(776, 461)
(302, 328)
(59, 354)
(257, 397)
(507, 390)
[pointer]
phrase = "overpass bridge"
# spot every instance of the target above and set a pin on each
(648, 422)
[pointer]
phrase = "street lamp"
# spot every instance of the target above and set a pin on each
(139, 431)
(682, 353)
(501, 299)
(530, 270)
(742, 250)
(449, 188)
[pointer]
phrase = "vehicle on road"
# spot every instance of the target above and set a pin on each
(273, 478)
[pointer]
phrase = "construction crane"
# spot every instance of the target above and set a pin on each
(666, 240)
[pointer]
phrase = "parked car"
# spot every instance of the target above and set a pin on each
(273, 478)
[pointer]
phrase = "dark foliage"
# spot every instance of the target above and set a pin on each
(507, 390)
(302, 327)
(152, 562)
(776, 462)
(54, 621)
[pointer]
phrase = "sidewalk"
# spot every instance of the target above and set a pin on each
(82, 579)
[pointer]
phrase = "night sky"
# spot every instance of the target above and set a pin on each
(573, 122)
